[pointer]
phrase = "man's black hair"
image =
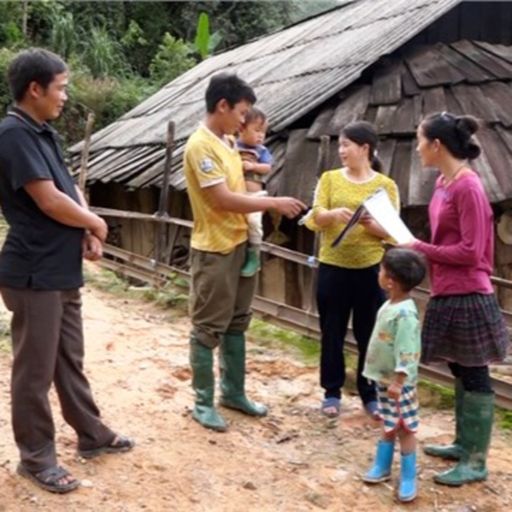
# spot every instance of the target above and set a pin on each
(229, 87)
(405, 266)
(33, 65)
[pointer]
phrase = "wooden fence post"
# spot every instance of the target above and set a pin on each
(160, 248)
(82, 177)
(323, 156)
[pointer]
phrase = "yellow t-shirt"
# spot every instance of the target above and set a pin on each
(359, 249)
(208, 161)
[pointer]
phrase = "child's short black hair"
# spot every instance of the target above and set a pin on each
(33, 65)
(230, 87)
(405, 266)
(255, 114)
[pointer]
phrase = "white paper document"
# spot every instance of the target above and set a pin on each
(379, 206)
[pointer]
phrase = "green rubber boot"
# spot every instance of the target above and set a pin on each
(232, 371)
(203, 383)
(477, 418)
(451, 451)
(252, 262)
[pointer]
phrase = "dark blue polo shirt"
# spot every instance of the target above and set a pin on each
(39, 252)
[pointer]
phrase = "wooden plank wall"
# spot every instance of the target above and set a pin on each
(484, 21)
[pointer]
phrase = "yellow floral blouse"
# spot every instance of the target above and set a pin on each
(359, 249)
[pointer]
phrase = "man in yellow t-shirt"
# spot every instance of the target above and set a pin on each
(220, 297)
(218, 161)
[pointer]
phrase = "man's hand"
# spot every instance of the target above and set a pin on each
(92, 247)
(289, 206)
(222, 198)
(99, 228)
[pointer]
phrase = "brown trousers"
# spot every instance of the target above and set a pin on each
(48, 347)
(220, 299)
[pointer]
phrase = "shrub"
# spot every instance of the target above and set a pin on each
(6, 55)
(171, 60)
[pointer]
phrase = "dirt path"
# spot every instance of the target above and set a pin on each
(293, 460)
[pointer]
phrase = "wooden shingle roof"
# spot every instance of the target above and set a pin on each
(466, 77)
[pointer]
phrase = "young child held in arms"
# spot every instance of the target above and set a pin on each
(257, 162)
(392, 362)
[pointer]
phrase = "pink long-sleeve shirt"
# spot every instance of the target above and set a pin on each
(462, 248)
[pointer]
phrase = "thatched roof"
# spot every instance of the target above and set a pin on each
(302, 73)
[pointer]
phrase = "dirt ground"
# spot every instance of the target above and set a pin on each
(293, 460)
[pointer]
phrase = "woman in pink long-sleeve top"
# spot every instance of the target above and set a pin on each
(463, 324)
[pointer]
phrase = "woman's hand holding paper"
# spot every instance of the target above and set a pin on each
(342, 215)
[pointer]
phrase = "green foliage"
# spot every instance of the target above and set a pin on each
(107, 281)
(505, 419)
(41, 16)
(171, 60)
(134, 36)
(113, 16)
(136, 45)
(173, 294)
(120, 52)
(11, 34)
(6, 56)
(239, 22)
(205, 43)
(214, 42)
(203, 35)
(103, 54)
(435, 395)
(108, 97)
(265, 333)
(64, 35)
(169, 296)
(113, 36)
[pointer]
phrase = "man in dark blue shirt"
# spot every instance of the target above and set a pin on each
(50, 230)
